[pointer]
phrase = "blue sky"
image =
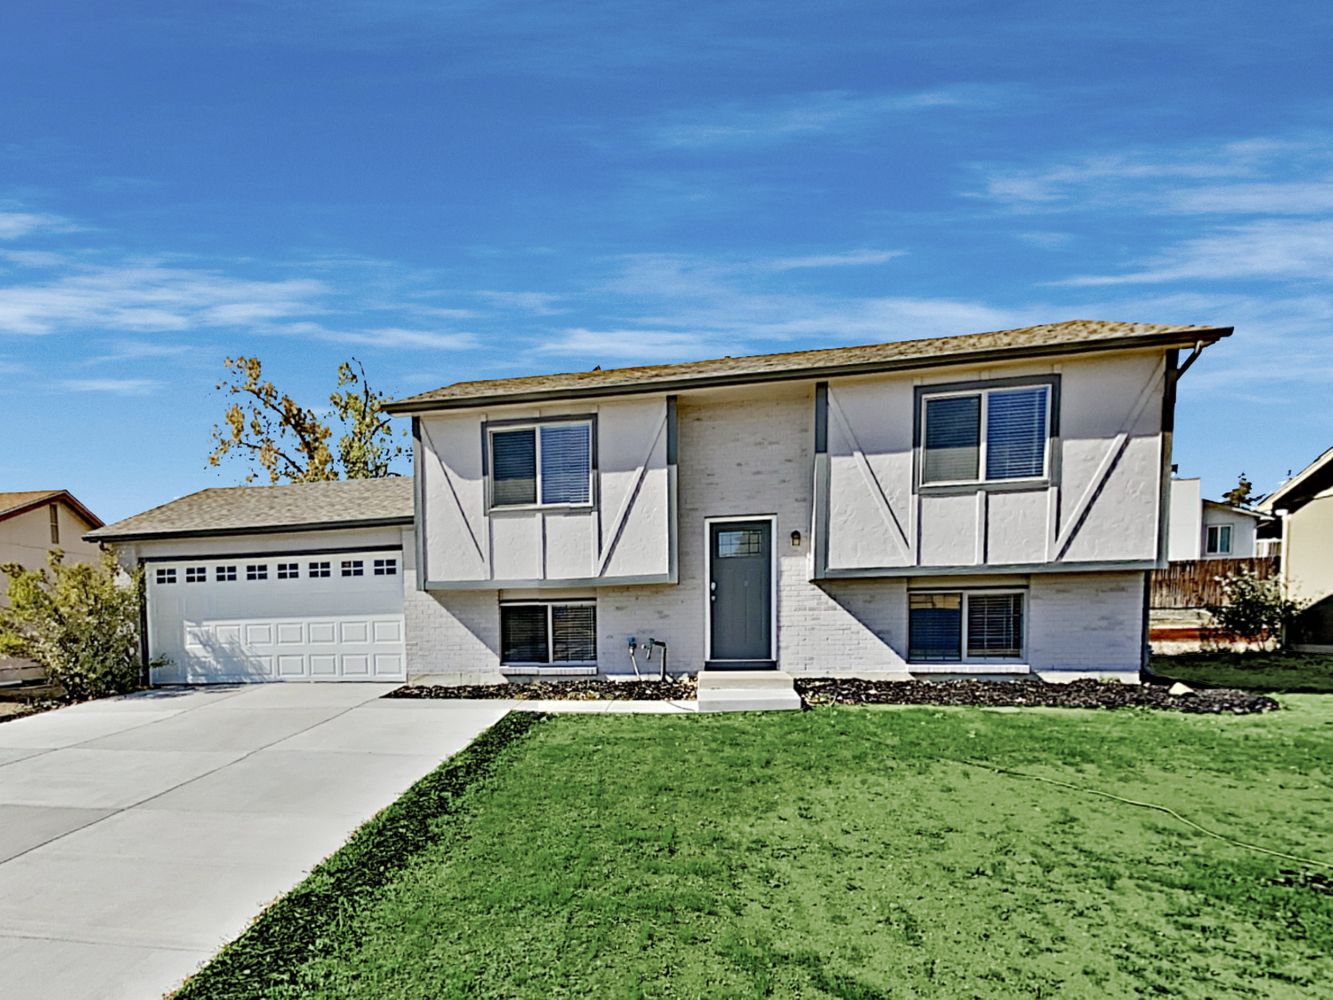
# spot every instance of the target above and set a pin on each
(479, 189)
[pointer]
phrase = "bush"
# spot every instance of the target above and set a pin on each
(78, 621)
(1254, 610)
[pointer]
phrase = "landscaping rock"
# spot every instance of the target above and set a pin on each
(685, 689)
(1031, 693)
(1177, 689)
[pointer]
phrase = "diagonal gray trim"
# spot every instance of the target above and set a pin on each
(418, 505)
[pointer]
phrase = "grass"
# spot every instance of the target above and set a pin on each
(841, 852)
(1264, 672)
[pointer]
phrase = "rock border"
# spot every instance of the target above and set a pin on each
(1030, 693)
(685, 689)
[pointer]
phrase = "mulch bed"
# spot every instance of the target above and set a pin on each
(591, 690)
(1029, 693)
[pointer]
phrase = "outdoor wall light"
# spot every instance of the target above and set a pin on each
(796, 539)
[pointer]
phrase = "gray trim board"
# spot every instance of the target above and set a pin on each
(987, 569)
(973, 358)
(587, 581)
(271, 529)
(418, 505)
(673, 489)
(821, 492)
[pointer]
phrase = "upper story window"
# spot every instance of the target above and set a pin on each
(1219, 540)
(985, 435)
(544, 465)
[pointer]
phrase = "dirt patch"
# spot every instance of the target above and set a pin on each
(682, 690)
(1028, 693)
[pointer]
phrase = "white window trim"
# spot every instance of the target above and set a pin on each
(536, 427)
(985, 395)
(965, 658)
(1216, 550)
(550, 660)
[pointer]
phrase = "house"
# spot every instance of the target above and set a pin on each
(985, 505)
(1304, 505)
(33, 522)
(272, 583)
(1211, 529)
(980, 506)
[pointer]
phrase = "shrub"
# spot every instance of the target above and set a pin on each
(78, 621)
(1254, 610)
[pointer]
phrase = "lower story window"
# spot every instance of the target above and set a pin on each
(943, 626)
(541, 632)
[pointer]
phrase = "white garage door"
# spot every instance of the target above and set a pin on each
(321, 617)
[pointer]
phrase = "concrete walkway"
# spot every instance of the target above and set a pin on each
(138, 835)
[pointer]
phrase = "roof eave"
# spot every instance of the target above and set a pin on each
(269, 529)
(1168, 339)
(57, 496)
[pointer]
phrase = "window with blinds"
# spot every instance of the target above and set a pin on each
(992, 435)
(994, 624)
(546, 465)
(935, 627)
(537, 633)
(941, 627)
(1016, 433)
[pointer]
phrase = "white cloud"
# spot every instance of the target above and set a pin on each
(806, 115)
(854, 258)
(1270, 249)
(535, 303)
(620, 346)
(113, 386)
(16, 224)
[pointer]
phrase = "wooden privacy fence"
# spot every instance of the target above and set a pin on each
(1193, 583)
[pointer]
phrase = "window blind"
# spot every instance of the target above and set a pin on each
(935, 627)
(994, 624)
(523, 633)
(566, 461)
(953, 439)
(1016, 433)
(573, 633)
(514, 467)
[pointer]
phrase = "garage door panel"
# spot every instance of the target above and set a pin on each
(229, 630)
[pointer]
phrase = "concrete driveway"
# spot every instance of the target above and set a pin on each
(138, 835)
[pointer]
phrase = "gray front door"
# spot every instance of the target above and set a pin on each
(741, 591)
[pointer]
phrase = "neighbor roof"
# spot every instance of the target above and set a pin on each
(16, 503)
(1303, 487)
(245, 510)
(1236, 509)
(1074, 336)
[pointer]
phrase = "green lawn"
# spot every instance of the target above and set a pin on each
(840, 852)
(1265, 672)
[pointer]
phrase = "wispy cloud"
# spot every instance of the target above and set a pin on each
(1249, 177)
(16, 224)
(1270, 249)
(805, 115)
(112, 386)
(535, 303)
(854, 258)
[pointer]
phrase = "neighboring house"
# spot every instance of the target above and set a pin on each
(1304, 505)
(986, 505)
(270, 583)
(975, 506)
(1211, 529)
(33, 522)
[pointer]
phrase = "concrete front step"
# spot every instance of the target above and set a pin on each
(747, 691)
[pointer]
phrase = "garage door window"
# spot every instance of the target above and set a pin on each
(354, 567)
(196, 574)
(259, 572)
(319, 570)
(289, 571)
(166, 576)
(540, 633)
(386, 567)
(224, 574)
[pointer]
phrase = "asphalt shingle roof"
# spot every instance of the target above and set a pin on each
(245, 509)
(16, 502)
(1051, 338)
